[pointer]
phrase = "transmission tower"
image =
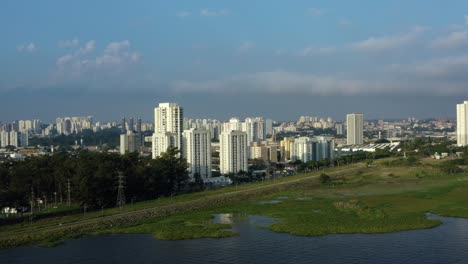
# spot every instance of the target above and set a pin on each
(68, 193)
(120, 190)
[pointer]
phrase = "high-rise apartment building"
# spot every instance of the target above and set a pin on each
(339, 129)
(285, 145)
(269, 127)
(197, 151)
(462, 124)
(4, 138)
(355, 125)
(13, 138)
(168, 127)
(233, 152)
(130, 139)
(130, 142)
(255, 129)
(312, 149)
(234, 124)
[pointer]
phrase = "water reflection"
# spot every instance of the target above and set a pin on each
(447, 243)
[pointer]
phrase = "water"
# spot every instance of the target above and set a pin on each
(447, 243)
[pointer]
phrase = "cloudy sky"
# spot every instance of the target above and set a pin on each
(276, 58)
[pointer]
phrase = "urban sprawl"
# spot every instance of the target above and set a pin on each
(214, 149)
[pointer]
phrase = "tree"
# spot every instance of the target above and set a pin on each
(324, 178)
(198, 184)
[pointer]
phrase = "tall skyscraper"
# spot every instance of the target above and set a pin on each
(197, 151)
(233, 152)
(168, 126)
(354, 128)
(462, 124)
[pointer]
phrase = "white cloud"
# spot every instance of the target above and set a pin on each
(69, 43)
(213, 13)
(117, 54)
(457, 39)
(62, 61)
(88, 48)
(246, 46)
(115, 58)
(31, 47)
(183, 14)
(316, 12)
(442, 76)
(312, 50)
(374, 44)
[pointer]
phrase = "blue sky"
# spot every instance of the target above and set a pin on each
(280, 59)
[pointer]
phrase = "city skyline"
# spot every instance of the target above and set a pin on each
(388, 60)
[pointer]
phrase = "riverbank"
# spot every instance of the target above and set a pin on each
(380, 199)
(358, 200)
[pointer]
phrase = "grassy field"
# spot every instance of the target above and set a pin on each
(372, 200)
(367, 200)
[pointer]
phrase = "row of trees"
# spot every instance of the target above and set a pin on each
(93, 178)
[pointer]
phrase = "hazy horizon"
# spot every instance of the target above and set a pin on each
(218, 59)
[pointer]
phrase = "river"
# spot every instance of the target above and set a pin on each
(447, 243)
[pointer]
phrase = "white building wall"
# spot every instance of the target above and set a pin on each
(197, 151)
(233, 152)
(462, 124)
(354, 129)
(162, 141)
(168, 126)
(4, 138)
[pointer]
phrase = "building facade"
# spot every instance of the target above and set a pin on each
(197, 152)
(168, 128)
(308, 149)
(355, 124)
(233, 152)
(462, 124)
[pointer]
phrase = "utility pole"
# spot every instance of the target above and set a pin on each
(32, 206)
(60, 193)
(68, 193)
(121, 191)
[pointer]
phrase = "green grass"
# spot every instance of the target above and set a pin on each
(193, 225)
(56, 221)
(370, 200)
(363, 204)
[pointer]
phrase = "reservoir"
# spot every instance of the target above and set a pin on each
(447, 243)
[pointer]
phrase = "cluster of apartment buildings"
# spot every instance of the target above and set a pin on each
(239, 141)
(15, 134)
(131, 136)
